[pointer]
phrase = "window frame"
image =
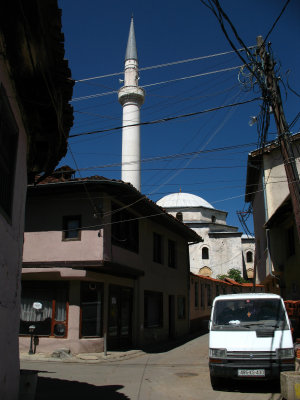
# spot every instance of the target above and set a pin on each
(150, 294)
(64, 285)
(66, 220)
(172, 254)
(181, 307)
(249, 256)
(205, 253)
(99, 287)
(158, 248)
(124, 223)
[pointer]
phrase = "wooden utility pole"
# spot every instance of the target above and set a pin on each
(287, 153)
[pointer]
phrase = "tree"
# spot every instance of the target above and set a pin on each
(233, 273)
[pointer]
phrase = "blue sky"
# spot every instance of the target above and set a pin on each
(167, 31)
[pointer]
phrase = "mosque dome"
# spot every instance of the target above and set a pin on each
(178, 200)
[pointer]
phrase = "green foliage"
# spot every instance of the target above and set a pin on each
(233, 273)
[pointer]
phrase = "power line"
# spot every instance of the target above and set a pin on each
(93, 96)
(192, 76)
(99, 226)
(168, 118)
(277, 19)
(172, 156)
(163, 65)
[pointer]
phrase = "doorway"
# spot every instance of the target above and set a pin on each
(119, 334)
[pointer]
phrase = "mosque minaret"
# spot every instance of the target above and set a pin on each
(131, 97)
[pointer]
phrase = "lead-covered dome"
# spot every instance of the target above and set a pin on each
(179, 200)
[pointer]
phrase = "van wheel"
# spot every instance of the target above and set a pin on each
(216, 382)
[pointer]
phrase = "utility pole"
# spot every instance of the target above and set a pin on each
(287, 153)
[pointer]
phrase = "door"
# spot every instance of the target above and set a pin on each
(119, 335)
(171, 316)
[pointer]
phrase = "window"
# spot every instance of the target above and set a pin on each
(171, 254)
(249, 257)
(44, 305)
(213, 219)
(157, 248)
(202, 295)
(153, 309)
(8, 154)
(205, 254)
(205, 271)
(196, 288)
(91, 309)
(208, 295)
(71, 227)
(181, 309)
(124, 229)
(290, 241)
(179, 216)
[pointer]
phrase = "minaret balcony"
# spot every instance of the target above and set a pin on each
(131, 94)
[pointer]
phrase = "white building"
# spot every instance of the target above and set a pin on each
(223, 248)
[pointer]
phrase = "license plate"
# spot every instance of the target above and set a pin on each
(251, 372)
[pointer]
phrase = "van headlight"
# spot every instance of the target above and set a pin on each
(285, 353)
(217, 353)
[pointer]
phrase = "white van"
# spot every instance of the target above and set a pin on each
(249, 338)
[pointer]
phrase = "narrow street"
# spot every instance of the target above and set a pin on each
(179, 373)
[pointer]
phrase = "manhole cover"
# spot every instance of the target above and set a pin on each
(185, 374)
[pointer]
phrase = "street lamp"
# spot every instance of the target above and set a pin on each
(31, 330)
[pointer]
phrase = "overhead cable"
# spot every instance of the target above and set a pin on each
(168, 118)
(172, 156)
(163, 65)
(93, 96)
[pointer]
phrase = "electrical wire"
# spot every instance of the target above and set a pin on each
(277, 19)
(164, 65)
(167, 119)
(93, 96)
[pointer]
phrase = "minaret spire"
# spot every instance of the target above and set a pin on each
(131, 97)
(131, 53)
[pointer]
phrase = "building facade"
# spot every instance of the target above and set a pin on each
(204, 289)
(277, 243)
(102, 265)
(33, 132)
(223, 246)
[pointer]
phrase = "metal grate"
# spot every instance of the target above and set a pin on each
(251, 355)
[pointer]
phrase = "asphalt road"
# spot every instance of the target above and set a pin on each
(177, 373)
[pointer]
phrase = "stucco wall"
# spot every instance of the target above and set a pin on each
(44, 224)
(275, 178)
(158, 277)
(10, 262)
(225, 252)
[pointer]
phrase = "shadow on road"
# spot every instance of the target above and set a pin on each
(251, 387)
(172, 343)
(58, 389)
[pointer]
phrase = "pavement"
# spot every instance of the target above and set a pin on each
(89, 358)
(64, 355)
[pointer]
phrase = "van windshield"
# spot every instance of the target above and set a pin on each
(244, 314)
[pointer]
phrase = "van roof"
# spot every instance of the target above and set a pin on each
(247, 296)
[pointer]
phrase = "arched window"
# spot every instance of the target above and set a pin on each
(179, 216)
(249, 256)
(205, 271)
(205, 254)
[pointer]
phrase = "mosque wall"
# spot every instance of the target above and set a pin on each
(222, 248)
